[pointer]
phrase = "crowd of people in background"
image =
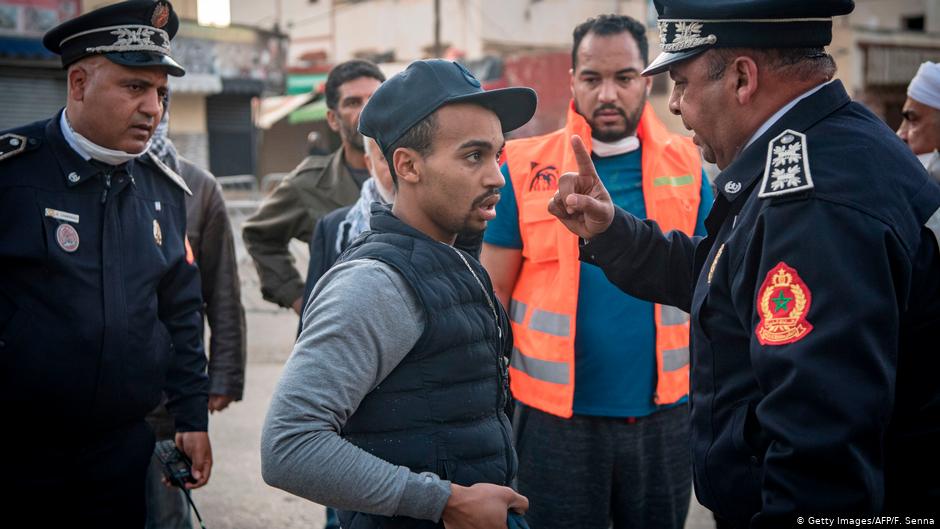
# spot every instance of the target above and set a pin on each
(571, 330)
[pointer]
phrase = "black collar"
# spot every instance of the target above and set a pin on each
(75, 169)
(738, 177)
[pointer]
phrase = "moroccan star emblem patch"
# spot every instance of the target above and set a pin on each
(782, 304)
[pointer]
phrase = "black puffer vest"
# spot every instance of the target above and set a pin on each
(442, 409)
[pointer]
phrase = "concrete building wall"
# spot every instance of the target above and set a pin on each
(188, 113)
(308, 23)
(546, 23)
(475, 27)
(888, 15)
(343, 29)
(183, 8)
(406, 27)
(188, 127)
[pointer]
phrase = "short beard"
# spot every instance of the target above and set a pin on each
(351, 137)
(631, 122)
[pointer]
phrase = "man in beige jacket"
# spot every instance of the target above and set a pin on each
(314, 188)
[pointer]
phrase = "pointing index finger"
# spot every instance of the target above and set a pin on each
(581, 154)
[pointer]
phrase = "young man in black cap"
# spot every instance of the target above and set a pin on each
(100, 299)
(392, 402)
(816, 290)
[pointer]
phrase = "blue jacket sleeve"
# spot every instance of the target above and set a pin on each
(829, 393)
(644, 262)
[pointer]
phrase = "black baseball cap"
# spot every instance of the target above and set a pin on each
(690, 27)
(415, 93)
(134, 33)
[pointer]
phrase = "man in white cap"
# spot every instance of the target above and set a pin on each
(921, 126)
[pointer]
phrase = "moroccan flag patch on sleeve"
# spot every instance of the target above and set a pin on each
(782, 304)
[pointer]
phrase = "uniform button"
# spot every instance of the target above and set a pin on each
(73, 177)
(753, 460)
(14, 142)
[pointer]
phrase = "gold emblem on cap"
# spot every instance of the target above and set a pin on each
(161, 15)
(157, 233)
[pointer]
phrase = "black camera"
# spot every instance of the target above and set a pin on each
(176, 466)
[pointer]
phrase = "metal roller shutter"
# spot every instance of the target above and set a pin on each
(231, 134)
(26, 99)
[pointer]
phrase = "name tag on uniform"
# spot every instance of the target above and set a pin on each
(62, 215)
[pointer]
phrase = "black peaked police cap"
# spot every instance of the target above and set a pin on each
(133, 33)
(412, 95)
(689, 27)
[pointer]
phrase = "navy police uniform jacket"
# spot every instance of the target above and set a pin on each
(815, 304)
(100, 308)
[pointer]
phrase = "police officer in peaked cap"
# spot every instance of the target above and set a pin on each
(100, 307)
(815, 296)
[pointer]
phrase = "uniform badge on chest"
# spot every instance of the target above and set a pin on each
(157, 233)
(67, 237)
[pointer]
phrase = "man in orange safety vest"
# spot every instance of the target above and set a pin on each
(601, 377)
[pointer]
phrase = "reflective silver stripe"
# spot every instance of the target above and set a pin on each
(517, 311)
(544, 370)
(674, 359)
(670, 315)
(550, 322)
(933, 223)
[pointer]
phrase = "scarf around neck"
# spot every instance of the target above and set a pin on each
(357, 219)
(88, 149)
(622, 146)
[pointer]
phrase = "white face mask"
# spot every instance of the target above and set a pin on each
(88, 149)
(927, 158)
(621, 146)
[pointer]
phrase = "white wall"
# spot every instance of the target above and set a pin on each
(406, 26)
(547, 23)
(473, 26)
(183, 8)
(306, 22)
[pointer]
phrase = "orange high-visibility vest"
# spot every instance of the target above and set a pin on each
(545, 298)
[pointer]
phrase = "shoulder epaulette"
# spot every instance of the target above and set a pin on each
(170, 173)
(13, 144)
(787, 168)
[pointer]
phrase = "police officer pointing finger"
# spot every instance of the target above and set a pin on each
(816, 294)
(99, 296)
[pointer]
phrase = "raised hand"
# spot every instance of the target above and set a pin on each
(582, 203)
